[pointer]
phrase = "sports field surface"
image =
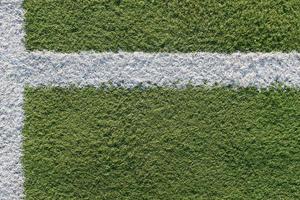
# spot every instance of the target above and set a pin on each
(149, 99)
(157, 143)
(163, 26)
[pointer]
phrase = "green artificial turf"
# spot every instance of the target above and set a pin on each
(157, 143)
(164, 26)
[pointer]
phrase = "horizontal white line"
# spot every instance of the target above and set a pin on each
(130, 69)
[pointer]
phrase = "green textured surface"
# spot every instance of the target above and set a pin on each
(163, 26)
(161, 144)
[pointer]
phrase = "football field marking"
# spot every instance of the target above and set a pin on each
(19, 67)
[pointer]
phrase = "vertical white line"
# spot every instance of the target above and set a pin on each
(11, 101)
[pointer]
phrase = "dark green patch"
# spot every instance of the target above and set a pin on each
(164, 26)
(161, 144)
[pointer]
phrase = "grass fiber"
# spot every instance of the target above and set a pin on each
(161, 143)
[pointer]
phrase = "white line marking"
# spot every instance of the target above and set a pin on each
(19, 67)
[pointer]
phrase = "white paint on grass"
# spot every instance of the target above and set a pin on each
(130, 69)
(11, 101)
(19, 67)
